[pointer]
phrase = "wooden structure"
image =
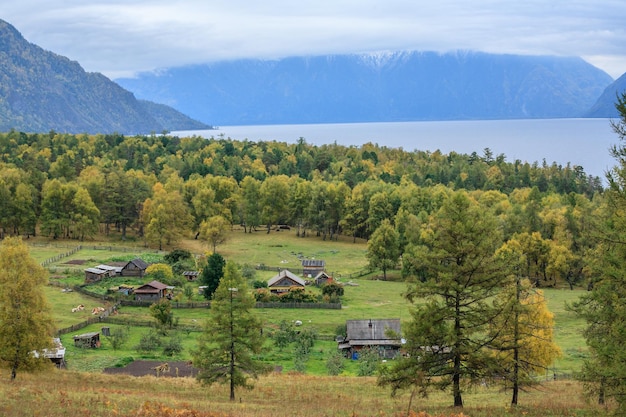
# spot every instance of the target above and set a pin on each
(371, 333)
(284, 281)
(152, 291)
(95, 275)
(191, 276)
(56, 354)
(87, 340)
(312, 267)
(322, 278)
(135, 268)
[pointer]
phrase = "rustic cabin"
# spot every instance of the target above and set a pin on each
(135, 268)
(371, 333)
(87, 340)
(284, 281)
(312, 267)
(322, 278)
(95, 275)
(56, 353)
(152, 291)
(191, 276)
(112, 270)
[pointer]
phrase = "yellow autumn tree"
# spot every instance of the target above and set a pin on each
(25, 320)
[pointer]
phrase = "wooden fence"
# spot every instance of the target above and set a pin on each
(329, 306)
(101, 318)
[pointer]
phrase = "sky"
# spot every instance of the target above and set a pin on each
(121, 38)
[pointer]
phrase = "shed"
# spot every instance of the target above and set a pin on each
(135, 268)
(95, 274)
(284, 281)
(191, 275)
(152, 291)
(87, 340)
(112, 270)
(372, 333)
(322, 278)
(312, 267)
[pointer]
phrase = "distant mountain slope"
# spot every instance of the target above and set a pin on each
(605, 106)
(382, 87)
(41, 91)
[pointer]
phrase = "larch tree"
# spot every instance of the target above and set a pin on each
(604, 306)
(215, 231)
(25, 319)
(523, 333)
(448, 336)
(212, 274)
(232, 336)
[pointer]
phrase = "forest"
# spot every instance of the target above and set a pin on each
(159, 188)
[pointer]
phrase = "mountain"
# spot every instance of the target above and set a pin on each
(399, 86)
(605, 106)
(41, 91)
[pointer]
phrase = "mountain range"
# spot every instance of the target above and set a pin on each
(397, 86)
(42, 91)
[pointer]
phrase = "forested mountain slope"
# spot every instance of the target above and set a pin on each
(41, 91)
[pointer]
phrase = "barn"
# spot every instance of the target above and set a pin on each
(312, 267)
(135, 268)
(152, 291)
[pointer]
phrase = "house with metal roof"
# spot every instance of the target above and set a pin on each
(284, 281)
(380, 334)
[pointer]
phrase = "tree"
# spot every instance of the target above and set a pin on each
(160, 272)
(165, 216)
(25, 319)
(215, 230)
(383, 249)
(231, 337)
(212, 274)
(604, 306)
(162, 312)
(523, 333)
(447, 335)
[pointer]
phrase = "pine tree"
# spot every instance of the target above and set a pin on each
(232, 336)
(25, 321)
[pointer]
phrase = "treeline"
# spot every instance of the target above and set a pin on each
(162, 188)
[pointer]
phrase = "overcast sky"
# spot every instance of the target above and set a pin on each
(122, 37)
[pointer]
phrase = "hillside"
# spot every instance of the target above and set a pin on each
(605, 106)
(41, 91)
(402, 86)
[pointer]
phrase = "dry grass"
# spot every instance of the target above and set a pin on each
(66, 393)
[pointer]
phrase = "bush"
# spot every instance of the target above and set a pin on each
(149, 342)
(173, 347)
(368, 362)
(335, 362)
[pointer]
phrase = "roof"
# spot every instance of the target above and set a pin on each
(322, 274)
(372, 330)
(151, 287)
(108, 267)
(87, 335)
(313, 262)
(286, 274)
(191, 273)
(96, 271)
(139, 263)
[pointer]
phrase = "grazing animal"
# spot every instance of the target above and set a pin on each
(97, 310)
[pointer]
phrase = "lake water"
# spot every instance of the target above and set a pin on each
(583, 142)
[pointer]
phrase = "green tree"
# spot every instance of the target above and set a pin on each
(165, 216)
(231, 337)
(212, 274)
(447, 335)
(163, 314)
(604, 306)
(335, 362)
(25, 318)
(160, 272)
(383, 248)
(215, 230)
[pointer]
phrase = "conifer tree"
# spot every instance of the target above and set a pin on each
(231, 337)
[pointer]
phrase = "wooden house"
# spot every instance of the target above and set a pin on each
(191, 276)
(371, 333)
(284, 281)
(152, 291)
(322, 278)
(312, 267)
(95, 274)
(135, 268)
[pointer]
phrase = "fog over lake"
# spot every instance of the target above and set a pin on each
(583, 142)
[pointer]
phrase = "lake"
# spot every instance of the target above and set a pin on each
(583, 142)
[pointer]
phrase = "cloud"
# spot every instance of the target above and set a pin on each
(121, 38)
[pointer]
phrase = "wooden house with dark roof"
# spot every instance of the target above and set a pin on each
(312, 267)
(371, 333)
(135, 268)
(322, 278)
(284, 281)
(152, 291)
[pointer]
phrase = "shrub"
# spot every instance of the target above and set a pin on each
(172, 347)
(149, 342)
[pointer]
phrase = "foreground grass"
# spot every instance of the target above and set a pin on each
(67, 393)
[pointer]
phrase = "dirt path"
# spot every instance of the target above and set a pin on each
(142, 368)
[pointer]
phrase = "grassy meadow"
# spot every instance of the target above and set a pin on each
(84, 390)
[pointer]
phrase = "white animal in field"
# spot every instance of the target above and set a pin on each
(97, 310)
(298, 323)
(79, 307)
